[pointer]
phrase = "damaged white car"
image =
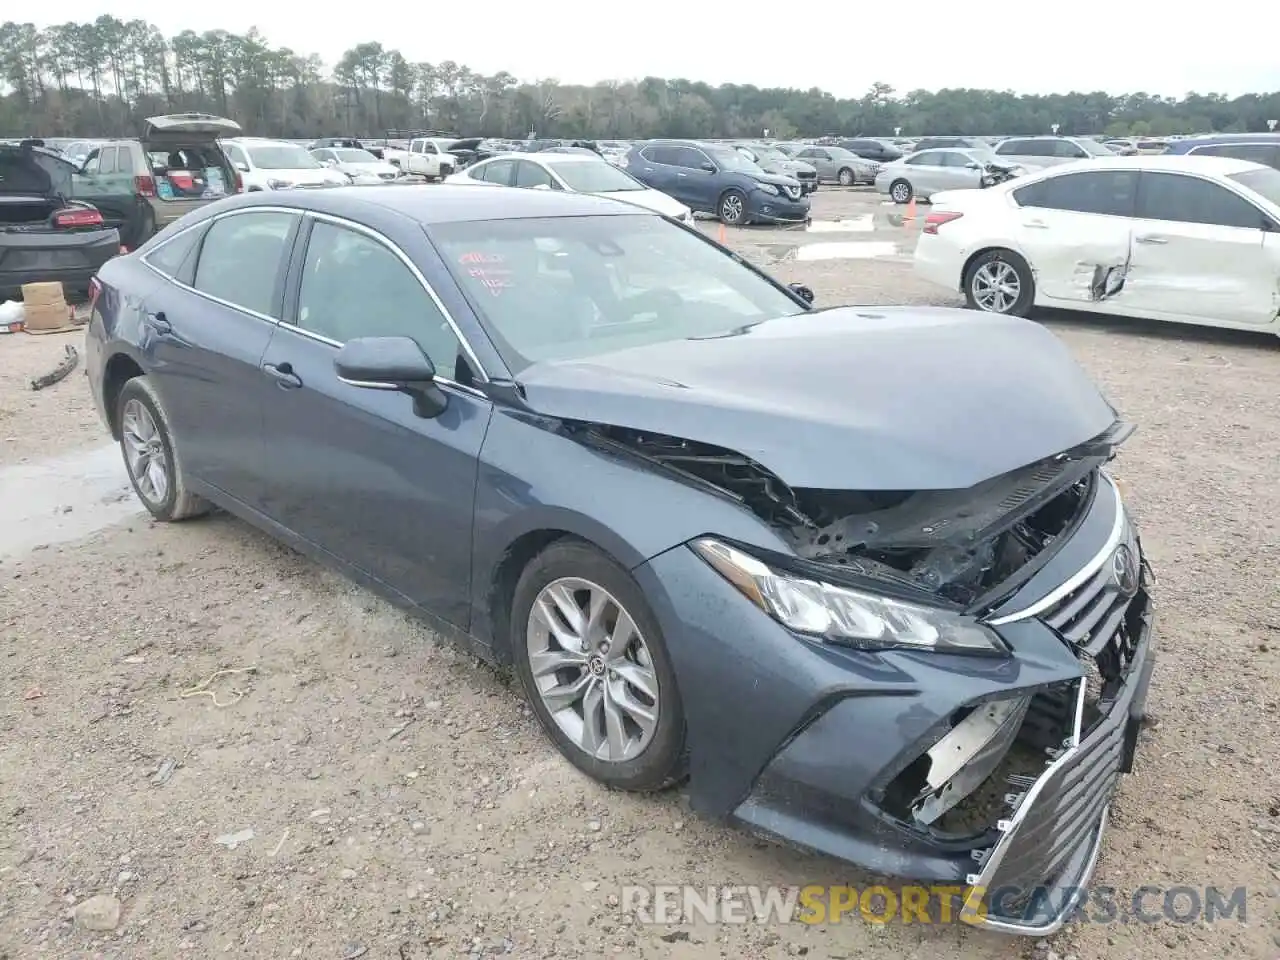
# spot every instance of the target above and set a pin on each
(1188, 239)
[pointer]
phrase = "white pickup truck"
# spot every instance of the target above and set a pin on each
(426, 157)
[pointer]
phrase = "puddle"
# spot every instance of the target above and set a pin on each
(862, 224)
(63, 499)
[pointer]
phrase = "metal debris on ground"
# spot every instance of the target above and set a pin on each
(60, 372)
(202, 689)
(233, 840)
(164, 773)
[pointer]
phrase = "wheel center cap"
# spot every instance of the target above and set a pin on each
(595, 665)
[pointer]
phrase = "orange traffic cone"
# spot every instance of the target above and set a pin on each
(721, 235)
(911, 212)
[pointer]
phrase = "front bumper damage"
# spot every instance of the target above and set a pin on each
(991, 775)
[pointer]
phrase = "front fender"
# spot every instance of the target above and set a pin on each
(534, 478)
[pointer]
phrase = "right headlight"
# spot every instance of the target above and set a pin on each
(826, 612)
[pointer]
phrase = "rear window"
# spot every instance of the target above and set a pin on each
(1264, 182)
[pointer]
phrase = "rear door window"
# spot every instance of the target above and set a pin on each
(532, 175)
(497, 172)
(1108, 192)
(240, 260)
(176, 258)
(1186, 199)
(107, 160)
(1065, 149)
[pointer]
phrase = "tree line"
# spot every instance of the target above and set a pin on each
(103, 78)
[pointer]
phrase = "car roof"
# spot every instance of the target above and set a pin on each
(438, 203)
(1187, 163)
(1213, 139)
(558, 158)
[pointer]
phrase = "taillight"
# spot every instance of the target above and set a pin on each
(77, 217)
(239, 183)
(144, 185)
(934, 220)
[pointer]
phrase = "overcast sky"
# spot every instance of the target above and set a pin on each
(1115, 45)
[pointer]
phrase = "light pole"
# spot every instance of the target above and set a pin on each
(766, 133)
(1054, 128)
(897, 131)
(1271, 125)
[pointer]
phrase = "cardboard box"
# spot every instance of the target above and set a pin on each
(46, 316)
(43, 294)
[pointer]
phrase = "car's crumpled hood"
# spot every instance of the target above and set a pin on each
(777, 179)
(855, 398)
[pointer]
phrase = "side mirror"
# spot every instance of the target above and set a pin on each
(801, 291)
(709, 167)
(541, 186)
(331, 163)
(392, 363)
(242, 166)
(972, 165)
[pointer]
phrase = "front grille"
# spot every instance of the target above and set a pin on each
(803, 175)
(792, 192)
(1089, 616)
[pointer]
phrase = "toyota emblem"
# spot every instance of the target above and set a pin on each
(1124, 570)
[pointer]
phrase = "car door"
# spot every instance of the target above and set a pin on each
(821, 160)
(208, 327)
(958, 170)
(927, 173)
(1201, 251)
(656, 167)
(1074, 229)
(355, 470)
(696, 186)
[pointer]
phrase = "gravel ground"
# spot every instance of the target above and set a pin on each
(402, 801)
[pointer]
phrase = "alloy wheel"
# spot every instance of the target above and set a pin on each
(144, 453)
(996, 287)
(901, 192)
(592, 669)
(732, 208)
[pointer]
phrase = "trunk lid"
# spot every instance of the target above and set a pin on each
(187, 127)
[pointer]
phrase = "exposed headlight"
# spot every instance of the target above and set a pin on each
(275, 184)
(827, 613)
(767, 188)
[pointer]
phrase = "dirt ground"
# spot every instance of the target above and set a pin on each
(402, 801)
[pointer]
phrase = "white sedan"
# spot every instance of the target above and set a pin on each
(1190, 239)
(573, 172)
(360, 165)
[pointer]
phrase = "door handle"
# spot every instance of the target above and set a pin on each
(1035, 224)
(283, 375)
(157, 322)
(1151, 238)
(681, 174)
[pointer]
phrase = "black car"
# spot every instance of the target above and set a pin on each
(44, 235)
(871, 149)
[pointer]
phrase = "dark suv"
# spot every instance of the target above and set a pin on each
(715, 178)
(870, 149)
(1261, 148)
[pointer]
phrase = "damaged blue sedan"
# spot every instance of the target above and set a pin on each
(859, 575)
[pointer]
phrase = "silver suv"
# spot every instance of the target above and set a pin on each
(1039, 152)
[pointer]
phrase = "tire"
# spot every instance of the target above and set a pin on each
(994, 265)
(732, 208)
(143, 422)
(900, 191)
(846, 177)
(652, 761)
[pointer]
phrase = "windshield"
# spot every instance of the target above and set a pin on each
(565, 288)
(1095, 149)
(768, 153)
(1264, 182)
(355, 156)
(733, 160)
(596, 177)
(282, 156)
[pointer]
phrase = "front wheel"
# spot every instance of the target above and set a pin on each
(1000, 281)
(846, 177)
(594, 664)
(900, 191)
(733, 208)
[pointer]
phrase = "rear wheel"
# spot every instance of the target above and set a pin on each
(150, 457)
(1000, 281)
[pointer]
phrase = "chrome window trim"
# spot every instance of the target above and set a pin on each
(1114, 538)
(339, 221)
(413, 268)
